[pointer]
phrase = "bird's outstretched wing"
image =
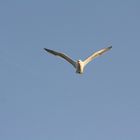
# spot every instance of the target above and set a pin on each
(96, 54)
(61, 55)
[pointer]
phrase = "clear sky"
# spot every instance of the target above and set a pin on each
(41, 96)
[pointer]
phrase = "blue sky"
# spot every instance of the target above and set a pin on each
(41, 97)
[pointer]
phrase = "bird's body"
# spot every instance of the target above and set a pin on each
(79, 65)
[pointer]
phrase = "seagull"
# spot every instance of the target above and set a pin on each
(79, 65)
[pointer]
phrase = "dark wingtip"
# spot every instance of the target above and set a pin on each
(46, 49)
(110, 47)
(49, 51)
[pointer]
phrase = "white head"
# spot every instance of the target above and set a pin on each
(79, 61)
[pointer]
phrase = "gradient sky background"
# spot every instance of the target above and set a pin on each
(41, 97)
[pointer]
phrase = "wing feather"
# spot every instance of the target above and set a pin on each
(96, 54)
(67, 58)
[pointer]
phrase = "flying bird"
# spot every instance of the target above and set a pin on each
(79, 65)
